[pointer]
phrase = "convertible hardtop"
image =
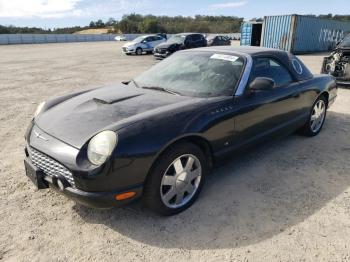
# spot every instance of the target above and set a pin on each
(284, 57)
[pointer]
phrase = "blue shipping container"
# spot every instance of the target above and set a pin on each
(302, 34)
(246, 33)
(251, 33)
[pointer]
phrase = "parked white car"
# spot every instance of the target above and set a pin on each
(120, 38)
(142, 44)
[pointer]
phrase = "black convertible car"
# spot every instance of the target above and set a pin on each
(158, 136)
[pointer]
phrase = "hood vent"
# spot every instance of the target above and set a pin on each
(112, 101)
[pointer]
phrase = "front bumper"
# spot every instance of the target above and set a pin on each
(95, 187)
(90, 199)
(100, 199)
(161, 56)
(128, 51)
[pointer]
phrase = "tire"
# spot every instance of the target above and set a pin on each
(138, 51)
(166, 185)
(314, 126)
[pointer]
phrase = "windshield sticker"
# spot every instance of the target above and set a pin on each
(231, 58)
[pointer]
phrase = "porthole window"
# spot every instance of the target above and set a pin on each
(297, 66)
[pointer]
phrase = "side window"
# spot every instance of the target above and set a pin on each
(158, 38)
(268, 67)
(189, 39)
(196, 38)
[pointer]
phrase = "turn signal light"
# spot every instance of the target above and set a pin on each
(124, 196)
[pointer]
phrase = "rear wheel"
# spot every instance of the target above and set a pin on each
(176, 180)
(317, 118)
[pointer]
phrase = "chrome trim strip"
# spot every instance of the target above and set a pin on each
(245, 77)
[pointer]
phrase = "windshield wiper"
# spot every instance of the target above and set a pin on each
(158, 88)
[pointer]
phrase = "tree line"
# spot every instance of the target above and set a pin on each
(136, 23)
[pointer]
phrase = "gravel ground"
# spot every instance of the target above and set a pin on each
(288, 200)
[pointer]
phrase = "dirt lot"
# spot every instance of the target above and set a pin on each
(286, 201)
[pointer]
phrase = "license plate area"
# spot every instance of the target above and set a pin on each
(35, 175)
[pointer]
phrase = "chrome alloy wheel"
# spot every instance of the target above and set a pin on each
(180, 181)
(318, 116)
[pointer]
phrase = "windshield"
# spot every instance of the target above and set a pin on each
(138, 39)
(179, 39)
(345, 42)
(195, 73)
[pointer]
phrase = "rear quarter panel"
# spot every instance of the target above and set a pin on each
(319, 84)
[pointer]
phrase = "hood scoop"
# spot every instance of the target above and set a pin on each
(112, 101)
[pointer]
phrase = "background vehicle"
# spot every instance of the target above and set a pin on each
(217, 40)
(120, 38)
(142, 44)
(179, 42)
(163, 35)
(158, 136)
(338, 63)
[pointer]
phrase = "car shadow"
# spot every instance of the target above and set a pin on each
(251, 197)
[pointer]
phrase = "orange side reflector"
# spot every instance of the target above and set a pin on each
(125, 195)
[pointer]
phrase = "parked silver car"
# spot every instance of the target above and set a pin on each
(120, 38)
(142, 44)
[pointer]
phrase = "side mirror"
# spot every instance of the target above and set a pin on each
(261, 84)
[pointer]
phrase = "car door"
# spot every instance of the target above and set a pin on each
(201, 41)
(264, 112)
(219, 40)
(189, 43)
(151, 42)
(145, 44)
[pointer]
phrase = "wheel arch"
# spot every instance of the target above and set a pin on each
(326, 95)
(196, 139)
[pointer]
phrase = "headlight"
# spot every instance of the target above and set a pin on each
(39, 108)
(101, 146)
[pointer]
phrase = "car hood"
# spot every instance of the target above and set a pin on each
(75, 120)
(167, 45)
(129, 44)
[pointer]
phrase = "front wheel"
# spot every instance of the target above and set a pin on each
(139, 51)
(176, 179)
(317, 118)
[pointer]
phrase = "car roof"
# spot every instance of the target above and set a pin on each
(250, 50)
(283, 56)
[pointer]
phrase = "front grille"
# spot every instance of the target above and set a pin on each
(49, 166)
(161, 51)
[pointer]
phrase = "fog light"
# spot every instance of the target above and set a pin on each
(125, 195)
